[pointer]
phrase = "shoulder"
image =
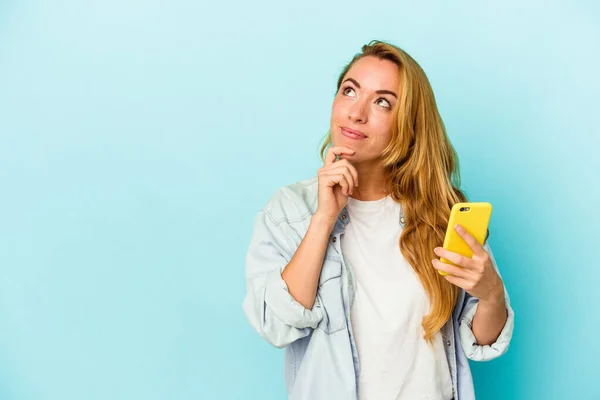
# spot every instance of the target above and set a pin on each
(295, 201)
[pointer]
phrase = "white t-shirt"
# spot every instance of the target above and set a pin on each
(390, 302)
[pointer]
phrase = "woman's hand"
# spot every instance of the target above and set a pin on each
(476, 275)
(337, 180)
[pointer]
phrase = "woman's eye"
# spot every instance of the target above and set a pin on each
(345, 90)
(384, 103)
(380, 101)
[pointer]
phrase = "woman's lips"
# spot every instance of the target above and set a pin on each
(352, 134)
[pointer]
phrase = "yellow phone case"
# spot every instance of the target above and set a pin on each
(475, 218)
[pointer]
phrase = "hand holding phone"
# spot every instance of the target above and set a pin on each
(475, 218)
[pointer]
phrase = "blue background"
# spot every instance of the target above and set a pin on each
(138, 139)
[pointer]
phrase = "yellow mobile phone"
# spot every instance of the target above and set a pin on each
(475, 218)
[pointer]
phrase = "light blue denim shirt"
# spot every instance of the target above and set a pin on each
(321, 360)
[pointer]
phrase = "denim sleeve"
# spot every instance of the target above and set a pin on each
(472, 350)
(269, 307)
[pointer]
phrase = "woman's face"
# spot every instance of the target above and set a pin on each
(361, 116)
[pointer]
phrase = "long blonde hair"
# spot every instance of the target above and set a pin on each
(423, 175)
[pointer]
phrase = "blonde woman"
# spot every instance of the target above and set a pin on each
(342, 268)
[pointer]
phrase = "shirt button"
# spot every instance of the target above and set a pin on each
(344, 216)
(334, 239)
(402, 219)
(448, 343)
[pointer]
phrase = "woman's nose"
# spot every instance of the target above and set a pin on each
(357, 112)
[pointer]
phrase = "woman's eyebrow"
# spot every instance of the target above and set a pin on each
(377, 91)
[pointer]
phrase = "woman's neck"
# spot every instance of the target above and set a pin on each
(371, 183)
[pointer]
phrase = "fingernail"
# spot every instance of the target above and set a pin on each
(356, 183)
(458, 227)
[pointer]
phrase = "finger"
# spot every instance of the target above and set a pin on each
(346, 185)
(469, 239)
(350, 180)
(351, 169)
(337, 178)
(335, 151)
(458, 281)
(449, 268)
(344, 169)
(455, 258)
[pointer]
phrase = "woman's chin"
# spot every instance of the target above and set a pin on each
(349, 157)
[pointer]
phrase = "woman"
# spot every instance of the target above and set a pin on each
(342, 269)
